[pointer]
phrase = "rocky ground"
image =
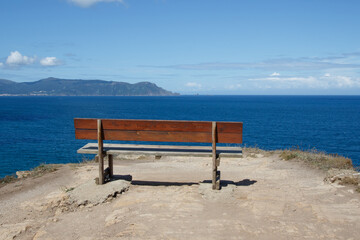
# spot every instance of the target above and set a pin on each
(262, 197)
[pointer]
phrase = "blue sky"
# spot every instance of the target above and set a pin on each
(199, 46)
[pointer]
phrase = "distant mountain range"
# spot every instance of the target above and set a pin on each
(78, 87)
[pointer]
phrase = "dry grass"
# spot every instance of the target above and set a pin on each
(7, 179)
(254, 151)
(338, 168)
(349, 181)
(318, 159)
(85, 160)
(43, 169)
(36, 172)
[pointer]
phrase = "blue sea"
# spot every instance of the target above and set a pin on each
(36, 130)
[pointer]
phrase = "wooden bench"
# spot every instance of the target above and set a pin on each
(158, 131)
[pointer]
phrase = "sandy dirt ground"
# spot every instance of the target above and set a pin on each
(262, 197)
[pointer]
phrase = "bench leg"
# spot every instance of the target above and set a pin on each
(101, 169)
(215, 159)
(111, 165)
(217, 182)
(216, 174)
(214, 179)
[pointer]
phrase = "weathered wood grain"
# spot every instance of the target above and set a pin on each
(162, 150)
(111, 165)
(107, 172)
(100, 151)
(159, 136)
(158, 125)
(214, 166)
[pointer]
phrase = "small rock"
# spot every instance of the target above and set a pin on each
(90, 193)
(90, 205)
(116, 216)
(22, 174)
(12, 231)
(58, 211)
(351, 191)
(39, 234)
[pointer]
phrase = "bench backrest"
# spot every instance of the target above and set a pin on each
(159, 130)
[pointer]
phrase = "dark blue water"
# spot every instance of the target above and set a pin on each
(36, 130)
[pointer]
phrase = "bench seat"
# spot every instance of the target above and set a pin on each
(160, 150)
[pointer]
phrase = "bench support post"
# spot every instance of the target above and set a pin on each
(215, 173)
(111, 165)
(100, 152)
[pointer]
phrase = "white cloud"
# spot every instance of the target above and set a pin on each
(233, 86)
(193, 84)
(345, 82)
(88, 3)
(275, 74)
(15, 59)
(323, 82)
(290, 82)
(50, 61)
(327, 75)
(345, 61)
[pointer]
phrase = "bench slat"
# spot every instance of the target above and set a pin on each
(166, 150)
(158, 125)
(159, 136)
